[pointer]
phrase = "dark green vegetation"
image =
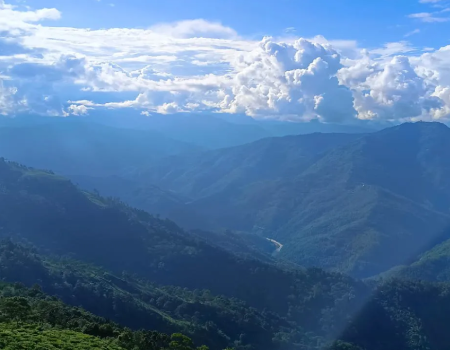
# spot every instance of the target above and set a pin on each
(31, 320)
(393, 317)
(214, 320)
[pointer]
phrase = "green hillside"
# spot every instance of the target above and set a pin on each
(210, 319)
(30, 319)
(433, 265)
(34, 337)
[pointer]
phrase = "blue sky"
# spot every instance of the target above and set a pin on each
(372, 23)
(335, 61)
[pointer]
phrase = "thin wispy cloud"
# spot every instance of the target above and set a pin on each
(415, 31)
(428, 17)
(290, 30)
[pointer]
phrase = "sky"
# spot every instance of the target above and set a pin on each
(341, 61)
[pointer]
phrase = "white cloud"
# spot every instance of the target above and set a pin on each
(412, 32)
(393, 48)
(435, 65)
(197, 65)
(14, 21)
(195, 28)
(6, 98)
(428, 17)
(290, 30)
(394, 91)
(289, 79)
(77, 110)
(169, 108)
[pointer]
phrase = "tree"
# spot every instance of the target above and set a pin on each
(155, 340)
(15, 308)
(181, 342)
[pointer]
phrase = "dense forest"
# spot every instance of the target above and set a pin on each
(147, 283)
(31, 319)
(394, 315)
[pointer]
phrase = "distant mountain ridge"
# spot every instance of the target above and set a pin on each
(76, 147)
(205, 130)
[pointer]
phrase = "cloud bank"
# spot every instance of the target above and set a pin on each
(197, 65)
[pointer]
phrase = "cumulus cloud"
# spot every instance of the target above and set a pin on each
(435, 65)
(77, 110)
(169, 108)
(394, 91)
(15, 21)
(296, 79)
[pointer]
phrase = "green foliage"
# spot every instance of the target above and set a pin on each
(215, 320)
(47, 323)
(16, 308)
(35, 337)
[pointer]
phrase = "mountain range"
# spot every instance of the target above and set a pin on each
(210, 131)
(358, 203)
(120, 263)
(280, 223)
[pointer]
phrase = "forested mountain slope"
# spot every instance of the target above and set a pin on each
(357, 203)
(432, 265)
(208, 173)
(209, 319)
(49, 212)
(264, 305)
(32, 320)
